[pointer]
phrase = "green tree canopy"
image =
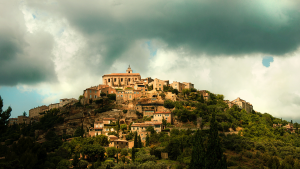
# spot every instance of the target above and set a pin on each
(4, 117)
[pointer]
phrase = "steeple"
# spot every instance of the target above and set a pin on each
(129, 70)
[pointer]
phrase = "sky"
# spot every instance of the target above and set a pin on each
(55, 49)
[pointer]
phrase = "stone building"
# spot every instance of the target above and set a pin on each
(95, 91)
(188, 85)
(66, 101)
(141, 128)
(53, 106)
(121, 79)
(128, 94)
(242, 104)
(12, 121)
(119, 143)
(177, 85)
(159, 84)
(159, 116)
(35, 112)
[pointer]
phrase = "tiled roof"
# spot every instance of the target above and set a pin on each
(121, 74)
(109, 119)
(145, 124)
(162, 113)
(120, 141)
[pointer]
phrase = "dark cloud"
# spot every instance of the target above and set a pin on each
(212, 27)
(24, 58)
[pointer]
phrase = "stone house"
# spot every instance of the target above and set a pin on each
(242, 104)
(141, 128)
(128, 94)
(170, 96)
(12, 121)
(119, 143)
(159, 116)
(177, 85)
(159, 84)
(188, 85)
(95, 91)
(148, 108)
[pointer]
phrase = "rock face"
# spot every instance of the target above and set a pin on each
(75, 116)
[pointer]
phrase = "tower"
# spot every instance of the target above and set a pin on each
(129, 70)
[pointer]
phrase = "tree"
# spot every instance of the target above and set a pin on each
(162, 95)
(111, 151)
(164, 122)
(93, 151)
(193, 90)
(80, 97)
(147, 140)
(123, 127)
(140, 142)
(24, 113)
(169, 104)
(124, 152)
(102, 94)
(175, 91)
(214, 153)
(186, 92)
(151, 129)
(198, 152)
(4, 117)
(136, 144)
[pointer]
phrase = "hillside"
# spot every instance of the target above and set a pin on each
(247, 139)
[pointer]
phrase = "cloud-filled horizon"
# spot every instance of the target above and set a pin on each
(245, 49)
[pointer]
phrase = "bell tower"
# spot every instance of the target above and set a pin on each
(129, 70)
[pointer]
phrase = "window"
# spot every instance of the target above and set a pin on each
(137, 92)
(129, 96)
(159, 84)
(133, 128)
(141, 134)
(135, 78)
(90, 91)
(90, 96)
(95, 91)
(121, 95)
(96, 125)
(129, 80)
(159, 88)
(115, 79)
(107, 129)
(121, 79)
(175, 84)
(166, 118)
(108, 80)
(137, 128)
(95, 96)
(134, 92)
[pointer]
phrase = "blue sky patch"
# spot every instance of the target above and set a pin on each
(267, 60)
(33, 16)
(19, 101)
(151, 48)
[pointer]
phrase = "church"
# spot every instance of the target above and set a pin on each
(121, 79)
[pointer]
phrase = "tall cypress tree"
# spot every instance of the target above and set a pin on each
(147, 140)
(135, 141)
(198, 152)
(140, 142)
(214, 153)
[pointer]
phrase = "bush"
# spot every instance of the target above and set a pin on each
(83, 163)
(261, 147)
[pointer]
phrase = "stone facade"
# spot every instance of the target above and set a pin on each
(121, 79)
(119, 143)
(188, 85)
(95, 91)
(177, 85)
(66, 101)
(12, 121)
(242, 104)
(159, 84)
(35, 112)
(140, 128)
(159, 116)
(53, 106)
(128, 94)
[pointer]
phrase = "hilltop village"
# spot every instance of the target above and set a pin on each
(134, 99)
(134, 122)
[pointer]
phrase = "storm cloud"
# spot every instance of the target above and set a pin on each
(25, 58)
(198, 27)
